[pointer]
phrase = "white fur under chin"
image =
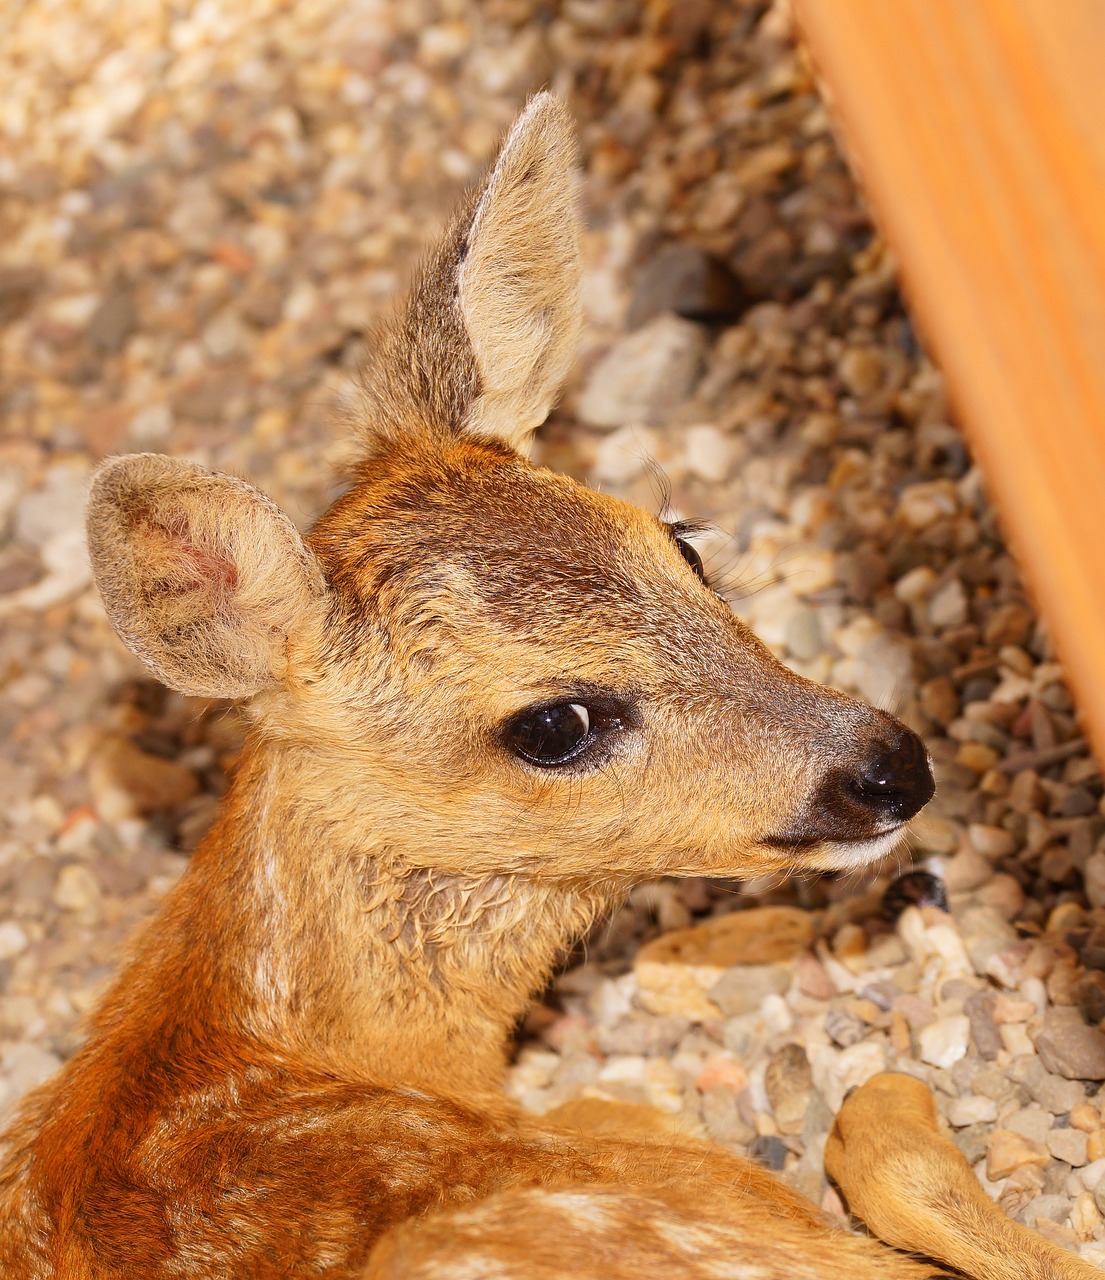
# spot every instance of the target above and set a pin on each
(850, 855)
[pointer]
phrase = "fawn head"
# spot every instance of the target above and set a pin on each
(479, 663)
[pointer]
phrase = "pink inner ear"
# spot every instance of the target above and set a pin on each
(189, 567)
(205, 567)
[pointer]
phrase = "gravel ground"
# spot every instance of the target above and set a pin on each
(204, 206)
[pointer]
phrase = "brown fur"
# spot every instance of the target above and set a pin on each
(299, 1073)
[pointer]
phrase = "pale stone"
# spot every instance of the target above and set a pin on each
(645, 376)
(948, 946)
(804, 640)
(936, 944)
(612, 998)
(623, 1069)
(76, 888)
(986, 935)
(13, 939)
(743, 988)
(534, 1069)
(1015, 1039)
(842, 978)
(834, 1073)
(776, 1014)
(849, 946)
(916, 585)
(943, 1043)
(884, 670)
(26, 1065)
(1085, 1217)
(790, 1114)
(971, 1110)
(1030, 1122)
(948, 606)
(772, 610)
(1093, 1175)
(854, 637)
(223, 336)
(1093, 1254)
(151, 424)
(810, 570)
(709, 452)
(787, 1075)
(1046, 1213)
(1010, 1151)
(1053, 1092)
(625, 454)
(991, 842)
(677, 990)
(966, 871)
(68, 572)
(1070, 1145)
(56, 507)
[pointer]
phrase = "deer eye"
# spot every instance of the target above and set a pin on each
(691, 556)
(552, 734)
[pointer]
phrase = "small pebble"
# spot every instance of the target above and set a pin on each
(943, 1043)
(1069, 1145)
(1009, 1151)
(970, 1110)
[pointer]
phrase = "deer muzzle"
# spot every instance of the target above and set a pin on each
(860, 805)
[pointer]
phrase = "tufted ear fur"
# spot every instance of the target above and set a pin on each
(490, 328)
(518, 282)
(202, 576)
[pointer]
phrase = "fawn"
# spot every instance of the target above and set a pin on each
(486, 701)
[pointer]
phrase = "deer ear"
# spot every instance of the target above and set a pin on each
(519, 275)
(484, 340)
(202, 576)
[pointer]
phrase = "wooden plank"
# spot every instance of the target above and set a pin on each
(978, 131)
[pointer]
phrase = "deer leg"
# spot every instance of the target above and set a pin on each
(916, 1191)
(619, 1233)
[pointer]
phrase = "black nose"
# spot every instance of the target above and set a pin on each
(895, 782)
(877, 783)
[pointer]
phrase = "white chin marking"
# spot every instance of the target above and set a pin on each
(848, 855)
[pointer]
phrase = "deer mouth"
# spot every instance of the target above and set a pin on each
(851, 855)
(818, 852)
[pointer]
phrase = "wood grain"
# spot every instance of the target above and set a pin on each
(978, 131)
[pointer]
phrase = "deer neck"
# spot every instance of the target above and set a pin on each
(349, 953)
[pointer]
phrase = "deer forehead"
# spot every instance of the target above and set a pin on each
(484, 546)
